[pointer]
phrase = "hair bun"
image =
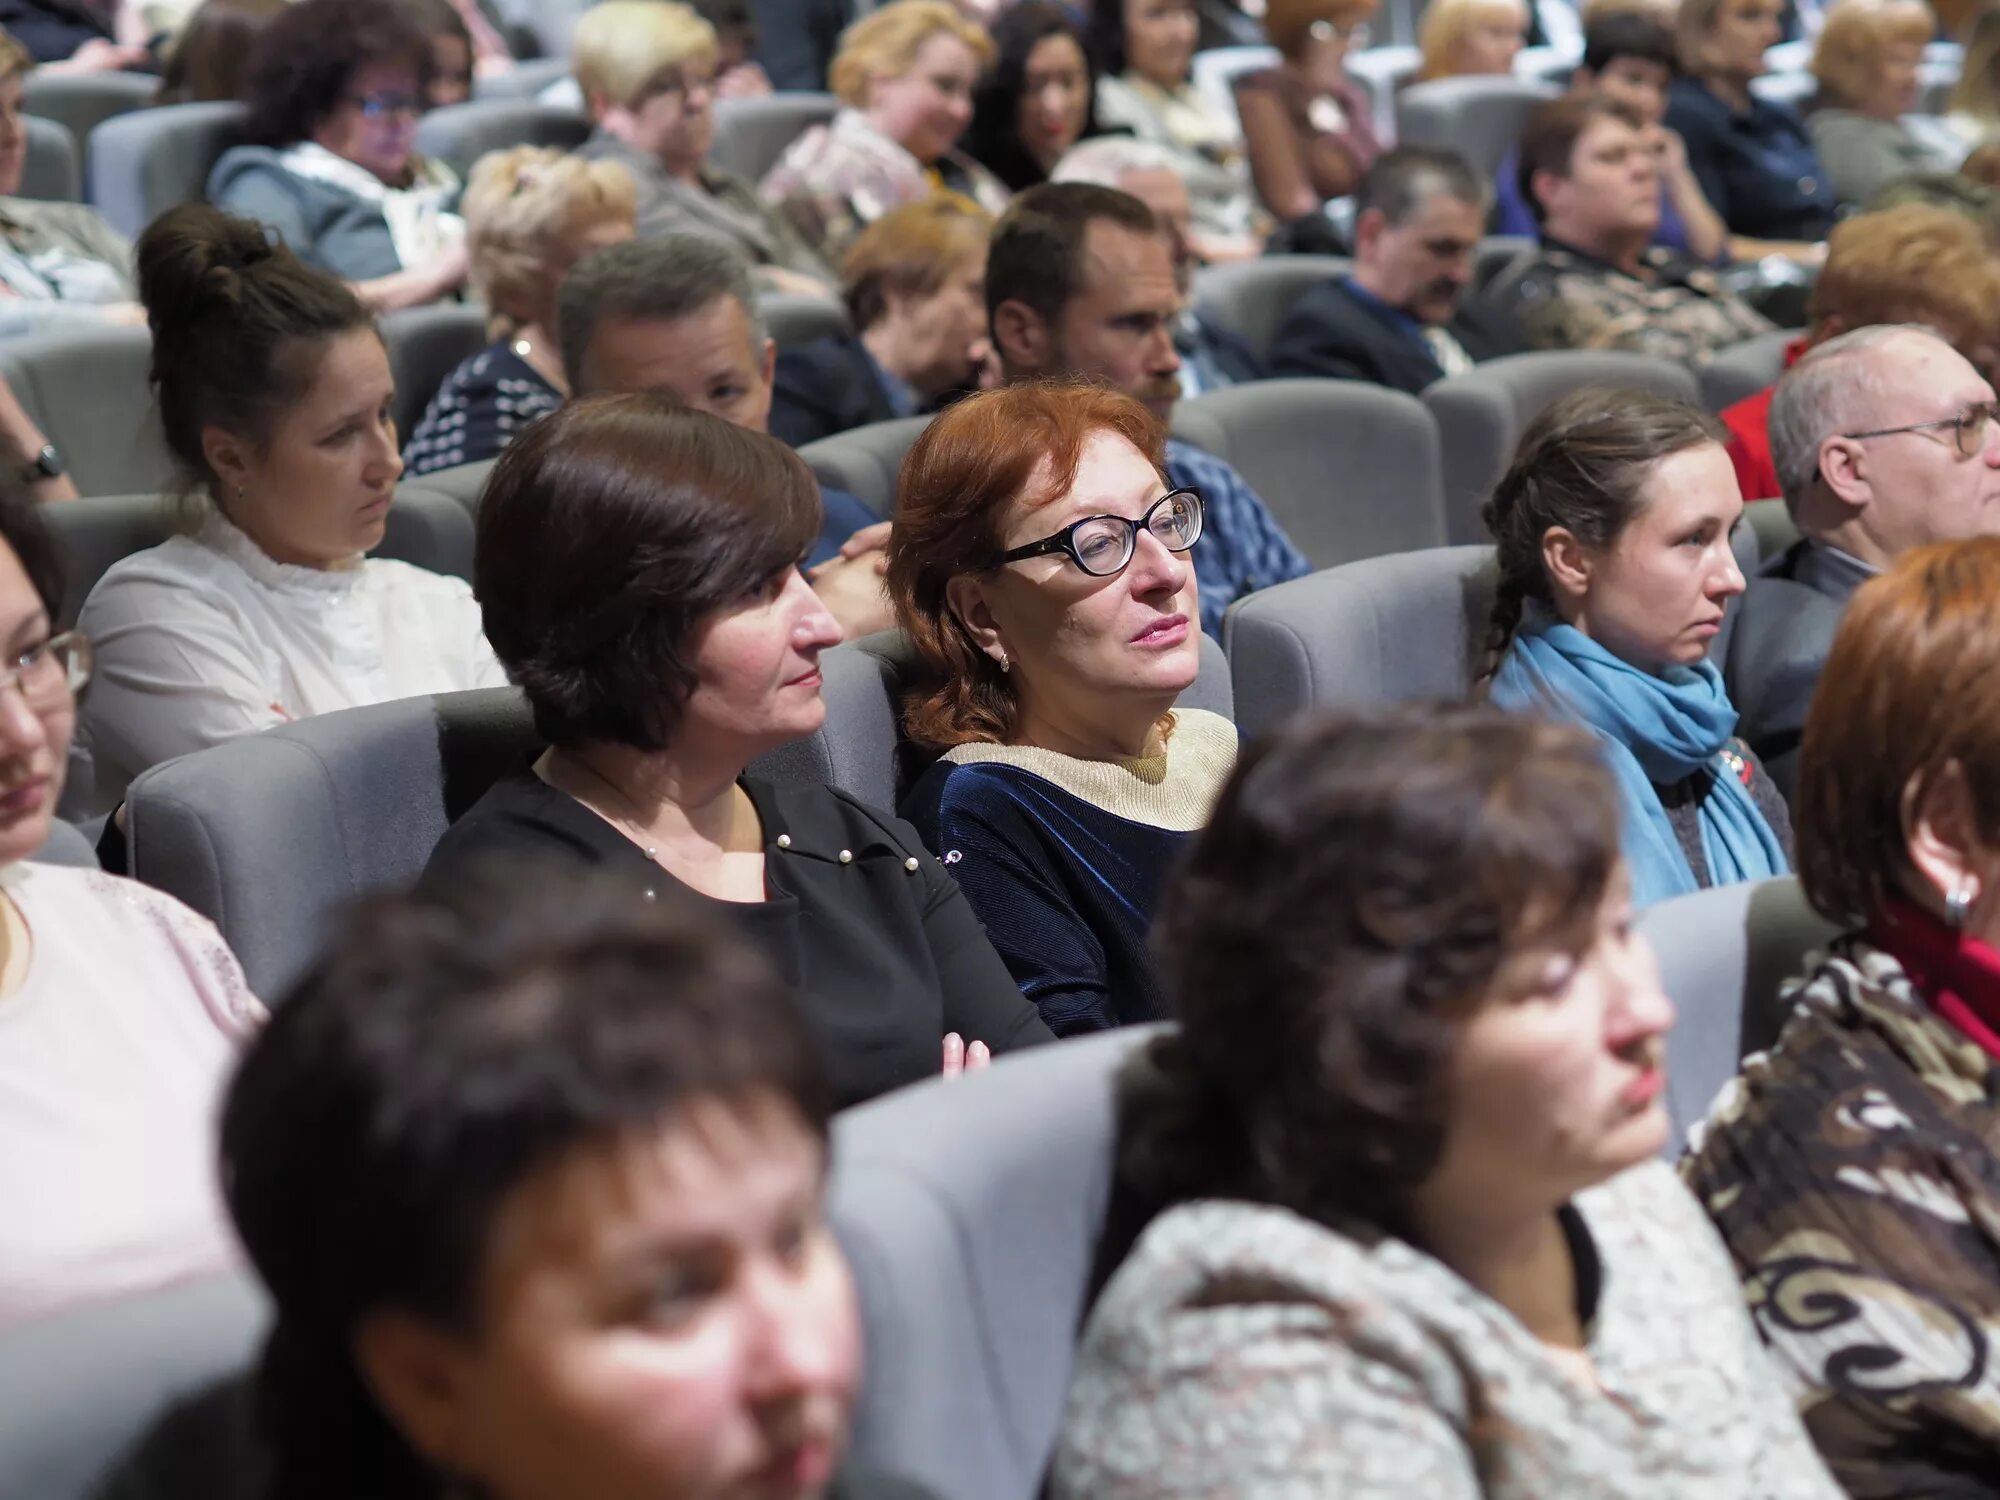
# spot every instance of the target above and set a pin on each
(192, 263)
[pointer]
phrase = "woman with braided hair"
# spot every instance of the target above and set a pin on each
(1612, 527)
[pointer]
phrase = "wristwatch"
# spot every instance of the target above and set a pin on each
(48, 464)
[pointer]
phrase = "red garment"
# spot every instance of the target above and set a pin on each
(1958, 975)
(1750, 436)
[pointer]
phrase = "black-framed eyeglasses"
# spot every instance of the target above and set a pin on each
(1969, 428)
(1103, 545)
(381, 106)
(48, 674)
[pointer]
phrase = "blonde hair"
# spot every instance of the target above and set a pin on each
(1847, 60)
(1975, 92)
(621, 47)
(911, 251)
(1444, 29)
(523, 206)
(887, 41)
(15, 60)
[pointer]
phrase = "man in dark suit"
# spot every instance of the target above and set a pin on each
(1403, 317)
(1884, 441)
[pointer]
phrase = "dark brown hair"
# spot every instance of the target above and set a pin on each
(1367, 881)
(608, 532)
(1549, 137)
(1580, 465)
(306, 58)
(1036, 257)
(1911, 685)
(211, 57)
(964, 471)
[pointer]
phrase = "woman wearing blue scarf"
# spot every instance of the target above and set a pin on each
(1612, 527)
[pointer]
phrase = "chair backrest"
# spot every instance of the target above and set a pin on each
(751, 134)
(1382, 72)
(525, 80)
(1789, 89)
(79, 1388)
(463, 482)
(1495, 253)
(80, 102)
(86, 389)
(53, 169)
(1744, 369)
(1383, 493)
(1479, 118)
(1484, 412)
(860, 747)
(67, 844)
(425, 345)
(269, 835)
(1724, 954)
(1378, 631)
(971, 1217)
(459, 134)
(1214, 72)
(145, 162)
(865, 460)
(793, 319)
(1251, 297)
(429, 528)
(1773, 527)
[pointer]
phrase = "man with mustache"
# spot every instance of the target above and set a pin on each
(1402, 317)
(1080, 285)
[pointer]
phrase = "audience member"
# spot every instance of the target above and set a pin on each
(275, 395)
(71, 36)
(1885, 441)
(648, 72)
(334, 92)
(738, 75)
(915, 287)
(1401, 1231)
(1471, 38)
(1915, 263)
(1629, 60)
(28, 459)
(798, 40)
(531, 213)
(1973, 110)
(1212, 357)
(905, 76)
(1851, 1168)
(1037, 98)
(1405, 316)
(1079, 284)
(209, 60)
(676, 315)
(1598, 281)
(449, 41)
(1613, 531)
(536, 1189)
(61, 265)
(1754, 160)
(637, 567)
(1040, 571)
(1866, 62)
(123, 1008)
(1305, 121)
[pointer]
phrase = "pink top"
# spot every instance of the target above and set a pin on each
(113, 1053)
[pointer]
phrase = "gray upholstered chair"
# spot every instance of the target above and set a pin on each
(459, 134)
(971, 1217)
(1251, 297)
(425, 344)
(525, 80)
(1485, 411)
(1724, 954)
(792, 319)
(67, 844)
(1350, 470)
(143, 163)
(1479, 118)
(1771, 524)
(463, 482)
(1497, 252)
(1745, 369)
(269, 835)
(751, 134)
(53, 168)
(860, 748)
(86, 389)
(80, 102)
(865, 460)
(77, 1389)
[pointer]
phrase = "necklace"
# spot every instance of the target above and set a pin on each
(629, 826)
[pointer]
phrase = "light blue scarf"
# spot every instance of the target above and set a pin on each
(1657, 730)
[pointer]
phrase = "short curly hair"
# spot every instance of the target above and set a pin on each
(524, 206)
(887, 41)
(609, 532)
(305, 61)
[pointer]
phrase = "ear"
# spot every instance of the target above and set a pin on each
(1368, 230)
(770, 360)
(1567, 562)
(604, 111)
(228, 459)
(1941, 833)
(1022, 336)
(1843, 464)
(965, 595)
(419, 1375)
(1545, 185)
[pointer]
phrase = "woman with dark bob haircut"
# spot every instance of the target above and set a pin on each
(536, 1189)
(334, 90)
(637, 566)
(1407, 1236)
(1037, 98)
(1852, 1168)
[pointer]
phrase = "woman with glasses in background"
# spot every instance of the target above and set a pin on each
(334, 91)
(1040, 568)
(1305, 121)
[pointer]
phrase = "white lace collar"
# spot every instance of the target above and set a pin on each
(221, 535)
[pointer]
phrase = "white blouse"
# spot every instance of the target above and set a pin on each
(205, 638)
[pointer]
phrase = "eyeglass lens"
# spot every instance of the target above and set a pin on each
(1104, 544)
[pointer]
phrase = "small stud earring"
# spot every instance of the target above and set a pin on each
(1957, 902)
(1005, 664)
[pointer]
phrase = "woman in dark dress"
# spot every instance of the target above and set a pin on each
(637, 566)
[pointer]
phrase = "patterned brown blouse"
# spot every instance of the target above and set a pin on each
(1853, 1173)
